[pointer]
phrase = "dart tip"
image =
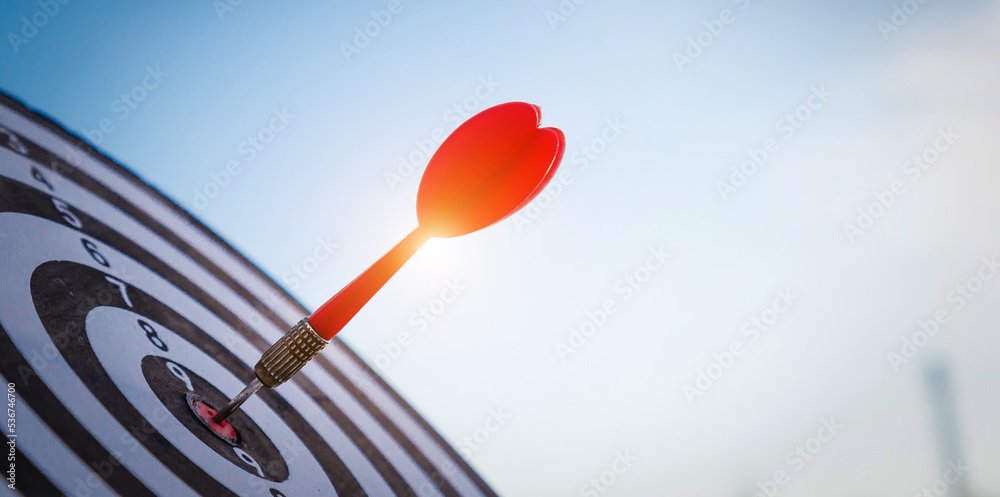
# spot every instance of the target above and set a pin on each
(238, 400)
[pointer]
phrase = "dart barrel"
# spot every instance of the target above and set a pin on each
(287, 356)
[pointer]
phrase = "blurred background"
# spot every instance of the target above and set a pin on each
(766, 266)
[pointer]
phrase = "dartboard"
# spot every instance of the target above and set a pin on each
(119, 310)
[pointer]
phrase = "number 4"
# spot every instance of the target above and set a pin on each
(37, 174)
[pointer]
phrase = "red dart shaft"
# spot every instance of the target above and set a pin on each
(332, 316)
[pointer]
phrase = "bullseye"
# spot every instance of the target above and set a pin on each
(204, 413)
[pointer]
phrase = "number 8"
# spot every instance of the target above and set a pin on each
(152, 336)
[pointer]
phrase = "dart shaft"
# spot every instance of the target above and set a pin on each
(332, 316)
(279, 363)
(297, 347)
(238, 400)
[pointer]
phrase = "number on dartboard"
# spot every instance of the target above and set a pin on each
(37, 174)
(67, 213)
(152, 336)
(92, 250)
(122, 288)
(14, 142)
(249, 460)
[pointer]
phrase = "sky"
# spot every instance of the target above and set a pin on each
(736, 261)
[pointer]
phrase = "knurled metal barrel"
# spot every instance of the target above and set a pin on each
(287, 356)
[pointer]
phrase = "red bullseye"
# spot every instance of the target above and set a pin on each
(205, 413)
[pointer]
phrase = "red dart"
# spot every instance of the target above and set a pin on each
(487, 169)
(484, 171)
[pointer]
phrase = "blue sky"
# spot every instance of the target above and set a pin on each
(678, 132)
